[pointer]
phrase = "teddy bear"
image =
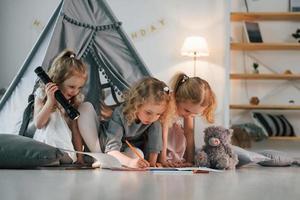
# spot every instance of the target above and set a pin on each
(216, 152)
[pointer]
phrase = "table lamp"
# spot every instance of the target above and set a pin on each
(194, 46)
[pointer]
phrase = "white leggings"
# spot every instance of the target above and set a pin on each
(88, 125)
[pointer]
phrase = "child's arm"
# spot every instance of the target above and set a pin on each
(129, 162)
(163, 154)
(41, 113)
(153, 159)
(189, 134)
(43, 110)
(77, 141)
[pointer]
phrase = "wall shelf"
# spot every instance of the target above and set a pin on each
(264, 46)
(266, 76)
(264, 107)
(267, 16)
(286, 47)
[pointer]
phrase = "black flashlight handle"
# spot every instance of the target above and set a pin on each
(71, 111)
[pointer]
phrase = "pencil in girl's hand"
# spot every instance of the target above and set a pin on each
(200, 171)
(134, 150)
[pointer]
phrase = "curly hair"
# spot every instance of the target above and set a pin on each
(148, 89)
(64, 66)
(195, 90)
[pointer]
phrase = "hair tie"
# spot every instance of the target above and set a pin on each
(185, 78)
(72, 56)
(166, 89)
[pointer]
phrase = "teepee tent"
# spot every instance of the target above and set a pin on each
(92, 31)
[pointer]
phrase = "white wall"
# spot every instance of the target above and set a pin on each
(160, 49)
(158, 43)
(269, 92)
(21, 23)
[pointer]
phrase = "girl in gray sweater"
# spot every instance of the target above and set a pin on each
(137, 120)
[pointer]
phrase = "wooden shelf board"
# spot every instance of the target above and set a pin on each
(266, 76)
(268, 16)
(264, 107)
(264, 46)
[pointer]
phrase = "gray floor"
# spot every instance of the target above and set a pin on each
(248, 183)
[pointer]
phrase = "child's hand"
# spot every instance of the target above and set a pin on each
(139, 163)
(188, 164)
(155, 164)
(50, 89)
(169, 164)
(184, 164)
(166, 163)
(158, 164)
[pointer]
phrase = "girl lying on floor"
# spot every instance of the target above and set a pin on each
(137, 120)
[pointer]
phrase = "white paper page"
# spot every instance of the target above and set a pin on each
(167, 169)
(199, 168)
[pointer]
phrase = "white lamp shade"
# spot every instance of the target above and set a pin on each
(194, 47)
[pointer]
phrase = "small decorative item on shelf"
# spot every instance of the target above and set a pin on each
(288, 71)
(252, 32)
(254, 101)
(255, 68)
(296, 35)
(294, 5)
(291, 101)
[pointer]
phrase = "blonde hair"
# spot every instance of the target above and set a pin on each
(195, 90)
(64, 66)
(147, 90)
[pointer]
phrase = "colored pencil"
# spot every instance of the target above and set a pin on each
(134, 150)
